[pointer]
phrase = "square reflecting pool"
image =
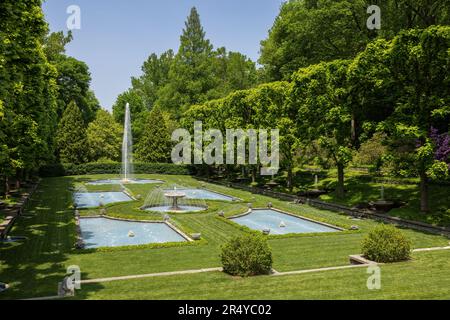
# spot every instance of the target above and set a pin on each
(96, 199)
(104, 232)
(281, 223)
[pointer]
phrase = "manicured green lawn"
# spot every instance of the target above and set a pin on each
(34, 267)
(426, 277)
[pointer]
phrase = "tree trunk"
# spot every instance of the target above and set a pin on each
(289, 178)
(353, 129)
(6, 186)
(19, 177)
(254, 174)
(340, 184)
(424, 207)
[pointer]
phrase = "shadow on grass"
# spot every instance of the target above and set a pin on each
(34, 267)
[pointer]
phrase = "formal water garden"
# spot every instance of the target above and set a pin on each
(93, 205)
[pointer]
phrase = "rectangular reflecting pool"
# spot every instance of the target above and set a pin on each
(204, 194)
(103, 232)
(120, 182)
(95, 199)
(280, 223)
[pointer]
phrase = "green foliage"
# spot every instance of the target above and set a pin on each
(438, 170)
(320, 94)
(247, 255)
(55, 44)
(73, 82)
(73, 76)
(310, 32)
(27, 90)
(195, 74)
(71, 136)
(155, 76)
(104, 138)
(154, 144)
(386, 244)
(419, 61)
(190, 75)
(372, 151)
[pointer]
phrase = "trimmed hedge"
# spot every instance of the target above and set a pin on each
(247, 255)
(70, 169)
(386, 244)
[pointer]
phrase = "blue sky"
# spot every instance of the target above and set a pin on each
(117, 36)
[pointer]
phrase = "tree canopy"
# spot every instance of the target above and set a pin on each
(195, 74)
(104, 138)
(71, 136)
(312, 31)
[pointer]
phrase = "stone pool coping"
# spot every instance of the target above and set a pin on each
(80, 241)
(249, 211)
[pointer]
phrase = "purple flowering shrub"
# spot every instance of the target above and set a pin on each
(442, 143)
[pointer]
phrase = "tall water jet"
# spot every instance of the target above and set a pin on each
(127, 147)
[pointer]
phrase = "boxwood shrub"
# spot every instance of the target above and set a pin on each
(70, 169)
(386, 244)
(247, 255)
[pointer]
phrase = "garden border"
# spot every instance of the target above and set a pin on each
(16, 211)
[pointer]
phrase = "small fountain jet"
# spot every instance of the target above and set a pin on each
(127, 147)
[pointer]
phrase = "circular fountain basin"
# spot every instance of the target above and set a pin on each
(175, 194)
(180, 209)
(122, 181)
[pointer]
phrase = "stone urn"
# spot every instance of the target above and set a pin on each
(196, 236)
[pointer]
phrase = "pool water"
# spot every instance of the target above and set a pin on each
(271, 219)
(182, 209)
(119, 181)
(95, 199)
(103, 232)
(204, 194)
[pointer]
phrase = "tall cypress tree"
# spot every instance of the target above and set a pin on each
(190, 76)
(154, 145)
(71, 136)
(193, 43)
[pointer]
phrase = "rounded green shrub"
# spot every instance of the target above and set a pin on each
(386, 244)
(247, 255)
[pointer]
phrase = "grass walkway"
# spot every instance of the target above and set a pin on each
(33, 268)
